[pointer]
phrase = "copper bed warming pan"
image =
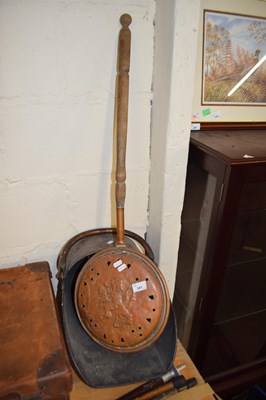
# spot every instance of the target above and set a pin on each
(117, 315)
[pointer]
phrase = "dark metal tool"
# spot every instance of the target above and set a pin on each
(153, 383)
(176, 384)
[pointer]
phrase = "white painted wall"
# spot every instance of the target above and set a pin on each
(57, 76)
(176, 31)
(57, 82)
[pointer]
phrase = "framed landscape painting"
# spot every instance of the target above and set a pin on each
(234, 59)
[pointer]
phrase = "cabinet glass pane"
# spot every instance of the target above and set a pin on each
(239, 329)
(200, 190)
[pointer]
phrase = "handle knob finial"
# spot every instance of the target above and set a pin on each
(125, 20)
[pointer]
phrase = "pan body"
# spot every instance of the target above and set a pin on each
(89, 242)
(122, 300)
(96, 365)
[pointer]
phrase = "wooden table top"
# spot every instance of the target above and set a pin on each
(202, 391)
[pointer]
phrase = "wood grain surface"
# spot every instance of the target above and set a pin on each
(202, 391)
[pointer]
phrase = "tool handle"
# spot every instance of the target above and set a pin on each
(178, 383)
(156, 391)
(153, 383)
(142, 389)
(123, 65)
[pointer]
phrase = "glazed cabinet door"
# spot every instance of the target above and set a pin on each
(204, 185)
(220, 292)
(236, 339)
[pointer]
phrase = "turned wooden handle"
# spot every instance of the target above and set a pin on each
(123, 65)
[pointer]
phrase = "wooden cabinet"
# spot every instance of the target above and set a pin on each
(220, 293)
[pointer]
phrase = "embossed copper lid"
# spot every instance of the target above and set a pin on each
(122, 300)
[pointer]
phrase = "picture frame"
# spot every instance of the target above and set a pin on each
(233, 46)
